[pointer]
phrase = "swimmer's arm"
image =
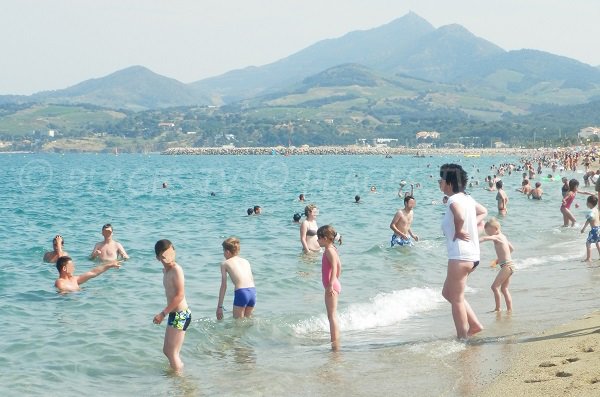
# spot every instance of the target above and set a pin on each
(587, 222)
(393, 226)
(333, 259)
(483, 239)
(95, 252)
(414, 236)
(480, 212)
(95, 272)
(510, 246)
(303, 230)
(121, 251)
(459, 222)
(178, 282)
(222, 291)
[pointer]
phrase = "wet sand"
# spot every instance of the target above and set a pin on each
(563, 361)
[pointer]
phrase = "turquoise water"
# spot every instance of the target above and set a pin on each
(397, 331)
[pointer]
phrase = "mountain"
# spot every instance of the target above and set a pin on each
(405, 58)
(133, 88)
(369, 47)
(412, 46)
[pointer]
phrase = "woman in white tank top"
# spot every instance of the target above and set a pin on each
(460, 226)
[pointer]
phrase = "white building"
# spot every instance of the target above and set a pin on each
(588, 132)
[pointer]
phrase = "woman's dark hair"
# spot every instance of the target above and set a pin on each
(455, 176)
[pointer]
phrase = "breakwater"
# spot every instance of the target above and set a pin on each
(335, 150)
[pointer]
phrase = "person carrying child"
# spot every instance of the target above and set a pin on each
(503, 252)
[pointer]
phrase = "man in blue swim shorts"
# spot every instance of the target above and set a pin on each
(401, 241)
(240, 272)
(401, 223)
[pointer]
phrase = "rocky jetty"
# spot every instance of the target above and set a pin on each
(332, 150)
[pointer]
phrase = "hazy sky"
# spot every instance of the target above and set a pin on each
(53, 44)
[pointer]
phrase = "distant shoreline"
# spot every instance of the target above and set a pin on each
(343, 150)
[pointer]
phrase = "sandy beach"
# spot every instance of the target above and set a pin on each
(563, 361)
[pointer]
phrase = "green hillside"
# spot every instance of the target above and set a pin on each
(65, 119)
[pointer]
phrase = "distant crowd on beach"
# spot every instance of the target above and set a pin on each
(465, 225)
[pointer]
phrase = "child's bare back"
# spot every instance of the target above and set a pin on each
(239, 271)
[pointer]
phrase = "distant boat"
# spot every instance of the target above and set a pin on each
(116, 151)
(472, 154)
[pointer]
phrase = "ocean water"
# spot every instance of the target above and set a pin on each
(397, 331)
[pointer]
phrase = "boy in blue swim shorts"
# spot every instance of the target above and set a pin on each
(240, 272)
(592, 219)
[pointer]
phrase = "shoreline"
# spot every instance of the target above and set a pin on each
(344, 150)
(561, 361)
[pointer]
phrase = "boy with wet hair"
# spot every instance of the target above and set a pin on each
(177, 310)
(58, 244)
(240, 272)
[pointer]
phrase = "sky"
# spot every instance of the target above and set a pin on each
(54, 44)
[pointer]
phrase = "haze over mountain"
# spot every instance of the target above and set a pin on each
(406, 47)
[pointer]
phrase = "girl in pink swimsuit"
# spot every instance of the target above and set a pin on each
(331, 269)
(565, 207)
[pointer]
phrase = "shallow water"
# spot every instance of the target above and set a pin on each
(397, 331)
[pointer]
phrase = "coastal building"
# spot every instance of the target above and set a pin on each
(383, 142)
(588, 132)
(427, 134)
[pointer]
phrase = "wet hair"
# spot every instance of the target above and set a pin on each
(493, 222)
(407, 198)
(538, 184)
(455, 176)
(499, 184)
(250, 211)
(327, 232)
(161, 246)
(309, 208)
(301, 197)
(62, 261)
(107, 226)
(357, 198)
(231, 244)
(593, 200)
(257, 209)
(525, 182)
(573, 184)
(297, 217)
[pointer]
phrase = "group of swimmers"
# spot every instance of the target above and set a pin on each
(461, 225)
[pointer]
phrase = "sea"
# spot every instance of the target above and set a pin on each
(397, 333)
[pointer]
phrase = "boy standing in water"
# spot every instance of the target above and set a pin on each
(240, 272)
(594, 222)
(179, 315)
(503, 249)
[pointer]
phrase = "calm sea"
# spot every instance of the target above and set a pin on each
(397, 331)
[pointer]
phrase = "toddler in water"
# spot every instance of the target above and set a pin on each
(503, 249)
(331, 268)
(593, 220)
